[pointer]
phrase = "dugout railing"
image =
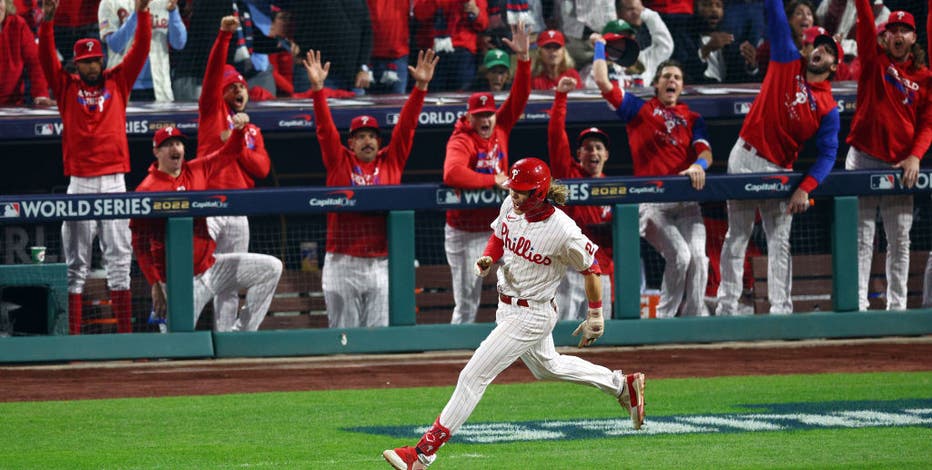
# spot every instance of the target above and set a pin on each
(403, 334)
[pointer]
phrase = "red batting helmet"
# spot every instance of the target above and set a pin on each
(87, 48)
(533, 175)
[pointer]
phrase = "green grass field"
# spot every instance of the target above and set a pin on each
(312, 429)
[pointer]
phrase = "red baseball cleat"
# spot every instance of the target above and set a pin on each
(407, 458)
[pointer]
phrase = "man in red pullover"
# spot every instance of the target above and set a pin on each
(355, 275)
(456, 25)
(225, 93)
(92, 104)
(389, 45)
(476, 158)
(594, 221)
(256, 273)
(890, 129)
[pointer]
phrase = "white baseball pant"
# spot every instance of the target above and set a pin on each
(572, 303)
(776, 223)
(113, 235)
(896, 212)
(355, 290)
(231, 233)
(521, 332)
(676, 231)
(463, 249)
(256, 273)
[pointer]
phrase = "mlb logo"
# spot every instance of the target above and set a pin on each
(391, 119)
(448, 196)
(45, 129)
(9, 209)
(742, 108)
(883, 182)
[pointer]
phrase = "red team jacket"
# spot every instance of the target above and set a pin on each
(94, 118)
(892, 119)
(593, 220)
(663, 140)
(472, 162)
(18, 53)
(214, 117)
(149, 234)
(353, 233)
(463, 31)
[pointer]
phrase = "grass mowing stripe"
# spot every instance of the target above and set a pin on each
(307, 429)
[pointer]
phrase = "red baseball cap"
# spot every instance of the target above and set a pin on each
(481, 103)
(902, 17)
(231, 76)
(551, 36)
(817, 35)
(87, 48)
(592, 132)
(165, 133)
(363, 122)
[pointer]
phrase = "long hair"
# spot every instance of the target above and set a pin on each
(790, 9)
(565, 64)
(558, 192)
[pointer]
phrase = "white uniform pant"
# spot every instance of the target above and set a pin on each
(231, 233)
(676, 231)
(355, 290)
(897, 215)
(113, 235)
(776, 223)
(256, 273)
(521, 332)
(572, 303)
(463, 249)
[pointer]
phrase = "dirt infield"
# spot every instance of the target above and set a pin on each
(206, 377)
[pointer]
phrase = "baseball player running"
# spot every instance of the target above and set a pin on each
(257, 273)
(794, 104)
(536, 244)
(667, 138)
(355, 275)
(476, 158)
(224, 94)
(890, 129)
(591, 155)
(92, 104)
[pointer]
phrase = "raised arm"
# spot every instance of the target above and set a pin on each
(782, 47)
(558, 144)
(661, 41)
(48, 53)
(212, 93)
(328, 136)
(507, 116)
(135, 59)
(866, 32)
(177, 32)
(403, 134)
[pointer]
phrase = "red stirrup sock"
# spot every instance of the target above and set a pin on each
(74, 313)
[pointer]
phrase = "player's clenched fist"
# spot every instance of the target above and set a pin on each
(229, 23)
(483, 266)
(591, 328)
(240, 120)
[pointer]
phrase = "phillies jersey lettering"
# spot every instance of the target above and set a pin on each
(488, 162)
(359, 177)
(904, 86)
(522, 247)
(93, 100)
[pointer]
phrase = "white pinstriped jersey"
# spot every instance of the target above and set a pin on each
(537, 254)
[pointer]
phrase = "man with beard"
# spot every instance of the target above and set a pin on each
(667, 138)
(890, 130)
(355, 276)
(795, 104)
(591, 155)
(224, 93)
(92, 104)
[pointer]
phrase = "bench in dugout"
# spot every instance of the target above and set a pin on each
(812, 282)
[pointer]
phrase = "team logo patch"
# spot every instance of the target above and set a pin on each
(880, 182)
(783, 417)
